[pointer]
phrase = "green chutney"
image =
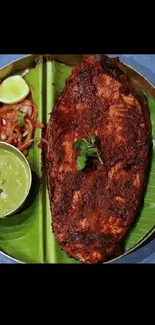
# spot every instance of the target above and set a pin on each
(14, 180)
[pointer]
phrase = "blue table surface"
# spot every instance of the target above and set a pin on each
(145, 64)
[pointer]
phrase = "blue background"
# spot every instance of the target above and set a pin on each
(145, 64)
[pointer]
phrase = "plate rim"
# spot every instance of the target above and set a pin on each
(130, 71)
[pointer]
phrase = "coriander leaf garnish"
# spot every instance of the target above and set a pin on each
(19, 118)
(80, 144)
(81, 162)
(93, 139)
(86, 150)
(99, 158)
(91, 152)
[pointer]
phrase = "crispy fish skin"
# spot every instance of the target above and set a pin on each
(93, 209)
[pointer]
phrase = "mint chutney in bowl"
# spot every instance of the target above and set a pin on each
(15, 179)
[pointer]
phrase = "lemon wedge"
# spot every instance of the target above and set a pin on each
(13, 89)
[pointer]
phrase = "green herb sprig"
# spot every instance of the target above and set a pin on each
(86, 150)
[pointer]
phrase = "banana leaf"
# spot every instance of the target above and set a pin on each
(28, 236)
